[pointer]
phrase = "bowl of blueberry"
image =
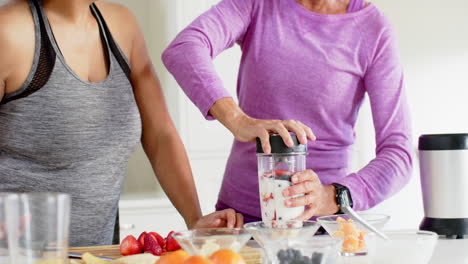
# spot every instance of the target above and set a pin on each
(293, 243)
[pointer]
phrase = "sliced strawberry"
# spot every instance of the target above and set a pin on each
(159, 238)
(171, 243)
(141, 238)
(130, 246)
(152, 246)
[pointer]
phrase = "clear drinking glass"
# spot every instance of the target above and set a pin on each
(8, 203)
(38, 228)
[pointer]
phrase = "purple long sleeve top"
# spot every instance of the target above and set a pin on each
(304, 66)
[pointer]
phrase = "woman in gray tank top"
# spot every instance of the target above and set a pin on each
(72, 114)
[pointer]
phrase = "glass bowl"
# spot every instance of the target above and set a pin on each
(294, 242)
(408, 246)
(352, 233)
(204, 242)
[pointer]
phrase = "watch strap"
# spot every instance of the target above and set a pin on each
(343, 196)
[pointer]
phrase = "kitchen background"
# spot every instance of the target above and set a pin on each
(433, 37)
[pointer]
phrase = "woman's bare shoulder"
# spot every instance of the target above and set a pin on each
(16, 34)
(122, 23)
(12, 11)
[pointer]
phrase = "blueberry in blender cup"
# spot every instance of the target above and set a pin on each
(275, 171)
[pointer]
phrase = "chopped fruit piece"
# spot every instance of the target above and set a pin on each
(152, 246)
(159, 238)
(198, 260)
(171, 243)
(353, 238)
(141, 238)
(283, 172)
(362, 234)
(362, 245)
(338, 234)
(226, 256)
(350, 244)
(176, 257)
(136, 259)
(266, 197)
(130, 246)
(89, 258)
(340, 219)
(350, 230)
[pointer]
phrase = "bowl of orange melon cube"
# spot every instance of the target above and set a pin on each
(355, 237)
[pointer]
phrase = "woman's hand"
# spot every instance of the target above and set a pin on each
(317, 198)
(247, 129)
(225, 218)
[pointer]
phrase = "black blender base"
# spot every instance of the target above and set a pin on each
(451, 228)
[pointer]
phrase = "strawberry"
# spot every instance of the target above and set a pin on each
(159, 238)
(152, 246)
(130, 246)
(141, 238)
(171, 243)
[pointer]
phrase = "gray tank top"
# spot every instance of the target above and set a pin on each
(60, 133)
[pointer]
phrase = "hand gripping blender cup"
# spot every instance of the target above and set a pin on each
(274, 175)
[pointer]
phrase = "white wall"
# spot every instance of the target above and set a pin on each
(433, 37)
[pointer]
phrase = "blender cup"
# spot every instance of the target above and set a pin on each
(274, 175)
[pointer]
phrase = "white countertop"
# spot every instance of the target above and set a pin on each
(451, 252)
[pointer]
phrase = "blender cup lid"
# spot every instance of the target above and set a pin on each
(278, 146)
(443, 142)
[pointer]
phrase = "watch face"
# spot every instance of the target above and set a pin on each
(344, 198)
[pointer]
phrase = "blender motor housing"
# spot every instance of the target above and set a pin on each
(443, 161)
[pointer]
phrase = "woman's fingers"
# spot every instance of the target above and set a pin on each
(239, 220)
(310, 134)
(302, 200)
(307, 175)
(309, 211)
(298, 129)
(265, 139)
(263, 128)
(230, 216)
(280, 128)
(304, 182)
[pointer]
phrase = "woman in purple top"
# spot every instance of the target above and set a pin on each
(306, 65)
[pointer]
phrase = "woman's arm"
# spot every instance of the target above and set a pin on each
(189, 59)
(163, 145)
(392, 167)
(160, 139)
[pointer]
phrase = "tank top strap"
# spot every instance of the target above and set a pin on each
(44, 58)
(355, 5)
(118, 54)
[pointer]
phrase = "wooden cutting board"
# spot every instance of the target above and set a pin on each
(250, 255)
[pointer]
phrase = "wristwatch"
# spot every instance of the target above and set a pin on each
(343, 197)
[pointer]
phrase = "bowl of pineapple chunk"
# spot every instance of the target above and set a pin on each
(354, 235)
